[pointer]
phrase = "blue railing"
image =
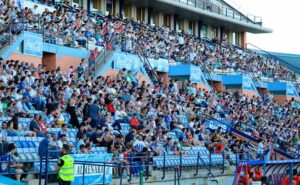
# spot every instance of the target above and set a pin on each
(45, 166)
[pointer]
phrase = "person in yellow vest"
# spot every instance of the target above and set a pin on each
(65, 167)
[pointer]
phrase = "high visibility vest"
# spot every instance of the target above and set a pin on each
(66, 172)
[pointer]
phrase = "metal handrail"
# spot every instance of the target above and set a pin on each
(253, 139)
(149, 69)
(222, 10)
(273, 56)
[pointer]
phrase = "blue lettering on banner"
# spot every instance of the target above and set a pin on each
(195, 74)
(214, 125)
(161, 65)
(33, 45)
(290, 90)
(93, 174)
(128, 62)
(247, 83)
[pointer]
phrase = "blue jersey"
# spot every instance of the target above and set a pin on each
(4, 162)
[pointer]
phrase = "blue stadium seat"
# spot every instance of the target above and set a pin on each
(40, 139)
(15, 138)
(9, 139)
(5, 119)
(22, 157)
(31, 144)
(28, 138)
(34, 139)
(24, 144)
(18, 144)
(20, 150)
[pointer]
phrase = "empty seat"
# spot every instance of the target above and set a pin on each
(18, 144)
(25, 144)
(15, 138)
(20, 150)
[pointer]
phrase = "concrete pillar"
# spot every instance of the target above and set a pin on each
(239, 36)
(230, 37)
(161, 19)
(146, 16)
(49, 60)
(186, 26)
(172, 24)
(133, 11)
(103, 6)
(85, 4)
(117, 7)
(209, 32)
(244, 40)
(196, 29)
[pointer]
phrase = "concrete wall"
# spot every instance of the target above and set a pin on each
(26, 58)
(218, 85)
(66, 61)
(250, 93)
(50, 60)
(164, 76)
(244, 40)
(280, 98)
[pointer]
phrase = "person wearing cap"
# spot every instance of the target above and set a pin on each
(65, 167)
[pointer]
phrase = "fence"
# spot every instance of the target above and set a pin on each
(137, 166)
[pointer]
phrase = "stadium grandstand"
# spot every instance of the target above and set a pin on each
(143, 92)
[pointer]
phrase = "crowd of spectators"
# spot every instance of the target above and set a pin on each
(75, 27)
(98, 106)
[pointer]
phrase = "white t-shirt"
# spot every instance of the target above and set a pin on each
(260, 148)
(139, 145)
(118, 114)
(181, 40)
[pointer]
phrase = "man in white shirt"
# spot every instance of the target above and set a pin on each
(21, 106)
(32, 92)
(62, 141)
(139, 144)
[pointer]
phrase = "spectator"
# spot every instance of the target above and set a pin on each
(82, 149)
(71, 110)
(9, 164)
(35, 126)
(81, 141)
(63, 141)
(134, 122)
(95, 114)
(139, 144)
(63, 130)
(286, 180)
